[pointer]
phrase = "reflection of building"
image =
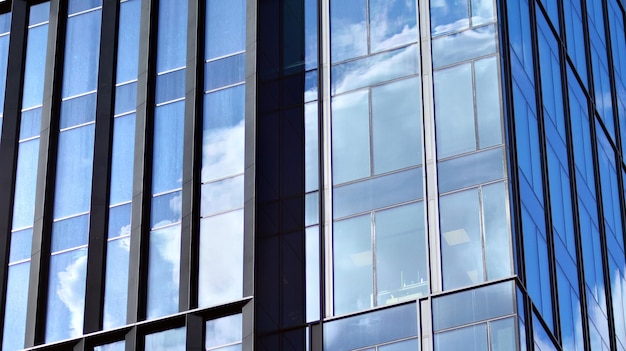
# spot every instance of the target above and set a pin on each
(312, 175)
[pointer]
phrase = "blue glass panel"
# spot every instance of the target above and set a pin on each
(482, 11)
(473, 305)
(497, 232)
(520, 37)
(163, 273)
(122, 160)
(35, 65)
(488, 102)
(473, 169)
(312, 258)
(4, 54)
(75, 6)
(25, 184)
(503, 334)
(170, 86)
(119, 221)
(169, 340)
(371, 329)
(392, 24)
(38, 13)
(311, 86)
(221, 196)
(168, 147)
(223, 133)
(221, 259)
(116, 346)
(70, 233)
(226, 27)
(5, 22)
(223, 331)
(464, 46)
(172, 35)
(223, 72)
(126, 98)
(30, 123)
(472, 338)
(17, 302)
(21, 245)
(540, 336)
(311, 146)
(375, 69)
(128, 43)
(447, 16)
(310, 34)
(166, 209)
(348, 31)
(378, 192)
(82, 50)
(116, 287)
(73, 181)
(407, 345)
(78, 110)
(312, 209)
(66, 295)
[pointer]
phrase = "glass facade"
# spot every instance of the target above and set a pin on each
(347, 175)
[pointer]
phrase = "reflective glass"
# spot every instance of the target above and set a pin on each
(348, 29)
(396, 125)
(454, 120)
(464, 46)
(312, 209)
(172, 35)
(472, 338)
(128, 43)
(223, 133)
(75, 6)
(169, 340)
(223, 72)
(166, 209)
(470, 170)
(311, 147)
(25, 184)
(312, 257)
(69, 233)
(116, 346)
(78, 110)
(170, 86)
(122, 159)
(74, 169)
(39, 13)
(21, 245)
(225, 27)
(448, 16)
(407, 345)
(82, 50)
(125, 98)
(66, 295)
(311, 88)
(502, 334)
(310, 34)
(392, 23)
(375, 69)
(496, 230)
(168, 147)
(488, 102)
(17, 303)
(35, 64)
(30, 123)
(482, 12)
(119, 221)
(116, 283)
(221, 196)
(4, 54)
(350, 137)
(221, 259)
(163, 273)
(223, 331)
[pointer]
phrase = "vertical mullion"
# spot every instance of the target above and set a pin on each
(195, 331)
(142, 172)
(9, 142)
(192, 157)
(40, 259)
(98, 225)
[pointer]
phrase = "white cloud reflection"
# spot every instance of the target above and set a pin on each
(70, 289)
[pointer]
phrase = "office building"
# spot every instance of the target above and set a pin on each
(383, 175)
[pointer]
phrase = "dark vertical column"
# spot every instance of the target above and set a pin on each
(132, 341)
(99, 219)
(195, 333)
(192, 157)
(142, 172)
(10, 140)
(40, 257)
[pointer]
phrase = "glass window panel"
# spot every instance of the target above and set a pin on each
(16, 305)
(372, 328)
(71, 232)
(377, 192)
(464, 46)
(488, 102)
(163, 273)
(407, 345)
(223, 331)
(5, 22)
(122, 159)
(75, 6)
(170, 86)
(66, 295)
(116, 283)
(312, 209)
(225, 27)
(311, 88)
(503, 334)
(401, 268)
(221, 196)
(470, 170)
(310, 34)
(38, 14)
(21, 245)
(116, 346)
(35, 66)
(78, 110)
(119, 220)
(126, 98)
(473, 305)
(82, 50)
(25, 184)
(312, 273)
(73, 180)
(392, 23)
(497, 235)
(4, 54)
(482, 12)
(168, 147)
(353, 271)
(221, 259)
(166, 209)
(348, 30)
(223, 133)
(172, 35)
(169, 340)
(461, 244)
(472, 338)
(454, 111)
(396, 125)
(375, 69)
(223, 72)
(30, 123)
(311, 147)
(128, 44)
(448, 16)
(350, 137)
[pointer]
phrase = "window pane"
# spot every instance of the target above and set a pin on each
(464, 46)
(78, 110)
(170, 86)
(75, 6)
(503, 334)
(125, 98)
(169, 340)
(16, 305)
(168, 147)
(166, 209)
(116, 283)
(226, 27)
(163, 273)
(392, 23)
(119, 220)
(25, 184)
(30, 123)
(497, 233)
(472, 338)
(172, 35)
(447, 16)
(488, 102)
(223, 331)
(35, 64)
(128, 44)
(69, 233)
(21, 245)
(470, 170)
(122, 159)
(221, 196)
(82, 50)
(223, 72)
(116, 346)
(348, 33)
